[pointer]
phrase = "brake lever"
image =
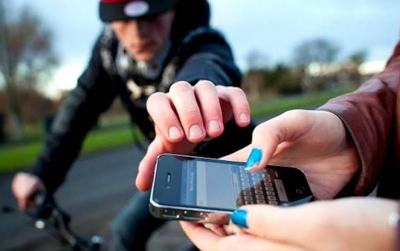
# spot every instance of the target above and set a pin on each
(48, 214)
(45, 206)
(41, 198)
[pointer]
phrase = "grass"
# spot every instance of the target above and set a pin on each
(15, 158)
(280, 105)
(22, 156)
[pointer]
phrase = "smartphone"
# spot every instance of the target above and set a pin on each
(209, 190)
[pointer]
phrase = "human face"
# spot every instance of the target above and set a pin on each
(144, 38)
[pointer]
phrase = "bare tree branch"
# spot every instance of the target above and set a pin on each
(26, 53)
(318, 50)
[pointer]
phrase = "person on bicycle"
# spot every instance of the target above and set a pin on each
(146, 46)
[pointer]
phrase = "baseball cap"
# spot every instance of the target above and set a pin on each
(115, 10)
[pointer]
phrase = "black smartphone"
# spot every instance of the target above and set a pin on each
(208, 190)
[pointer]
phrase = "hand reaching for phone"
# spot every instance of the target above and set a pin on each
(185, 116)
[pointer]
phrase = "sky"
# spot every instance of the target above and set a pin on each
(271, 27)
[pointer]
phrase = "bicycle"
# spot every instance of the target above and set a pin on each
(49, 217)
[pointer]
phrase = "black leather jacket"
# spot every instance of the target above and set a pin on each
(202, 54)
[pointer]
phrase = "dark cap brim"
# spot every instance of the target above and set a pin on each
(110, 12)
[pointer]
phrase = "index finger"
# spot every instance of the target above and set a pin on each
(238, 101)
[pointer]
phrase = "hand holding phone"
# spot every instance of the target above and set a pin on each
(209, 190)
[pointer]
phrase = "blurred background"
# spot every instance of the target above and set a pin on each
(293, 54)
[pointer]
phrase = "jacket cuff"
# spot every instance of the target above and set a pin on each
(37, 171)
(48, 182)
(362, 183)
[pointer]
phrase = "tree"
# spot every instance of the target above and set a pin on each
(358, 58)
(26, 55)
(354, 61)
(257, 63)
(256, 60)
(320, 51)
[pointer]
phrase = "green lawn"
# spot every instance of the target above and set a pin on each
(22, 156)
(275, 106)
(19, 157)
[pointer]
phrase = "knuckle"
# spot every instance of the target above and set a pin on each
(192, 113)
(155, 96)
(20, 176)
(259, 130)
(238, 95)
(204, 84)
(179, 87)
(296, 114)
(235, 90)
(220, 87)
(154, 99)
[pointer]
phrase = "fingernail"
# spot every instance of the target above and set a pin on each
(174, 132)
(213, 126)
(239, 218)
(195, 132)
(244, 118)
(254, 158)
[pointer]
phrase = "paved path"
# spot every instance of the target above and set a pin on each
(97, 187)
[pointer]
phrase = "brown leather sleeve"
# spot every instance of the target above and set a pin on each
(369, 115)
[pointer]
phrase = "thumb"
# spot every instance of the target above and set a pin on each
(265, 140)
(268, 137)
(145, 176)
(239, 156)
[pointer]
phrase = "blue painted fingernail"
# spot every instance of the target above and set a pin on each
(254, 158)
(239, 218)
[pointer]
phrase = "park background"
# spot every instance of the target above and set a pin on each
(293, 54)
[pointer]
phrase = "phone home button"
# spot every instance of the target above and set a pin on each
(299, 191)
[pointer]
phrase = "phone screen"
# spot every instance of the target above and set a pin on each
(225, 185)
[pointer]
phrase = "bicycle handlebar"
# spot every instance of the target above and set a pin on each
(48, 215)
